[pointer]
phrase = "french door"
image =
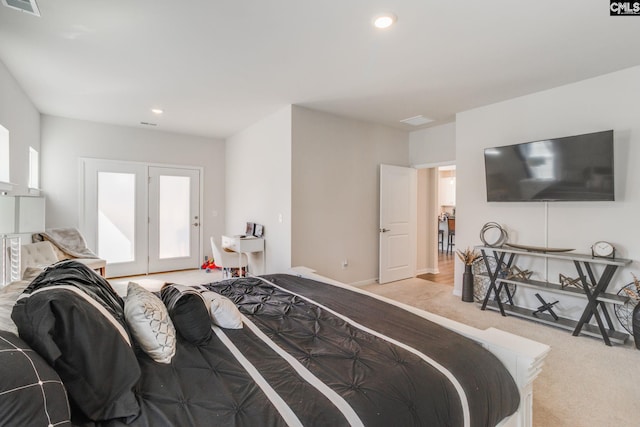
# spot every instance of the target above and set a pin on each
(174, 219)
(141, 218)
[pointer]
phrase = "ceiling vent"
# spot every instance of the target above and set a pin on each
(417, 120)
(27, 6)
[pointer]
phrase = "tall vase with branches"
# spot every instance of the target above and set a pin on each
(468, 257)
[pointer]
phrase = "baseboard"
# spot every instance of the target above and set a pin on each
(364, 282)
(427, 271)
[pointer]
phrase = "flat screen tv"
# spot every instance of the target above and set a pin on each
(573, 168)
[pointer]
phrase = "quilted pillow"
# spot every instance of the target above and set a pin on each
(75, 321)
(150, 323)
(222, 310)
(31, 392)
(188, 312)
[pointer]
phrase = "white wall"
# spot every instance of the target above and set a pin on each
(65, 141)
(433, 146)
(607, 102)
(22, 119)
(258, 186)
(335, 202)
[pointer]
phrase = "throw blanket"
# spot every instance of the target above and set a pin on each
(68, 240)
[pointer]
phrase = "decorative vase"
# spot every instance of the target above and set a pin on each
(467, 284)
(636, 325)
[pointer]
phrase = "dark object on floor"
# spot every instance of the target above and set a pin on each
(546, 306)
(467, 284)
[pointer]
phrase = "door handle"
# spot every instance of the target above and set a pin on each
(384, 230)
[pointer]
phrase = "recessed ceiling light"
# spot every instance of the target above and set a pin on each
(417, 120)
(385, 21)
(157, 111)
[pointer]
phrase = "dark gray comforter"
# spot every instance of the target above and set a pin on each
(318, 355)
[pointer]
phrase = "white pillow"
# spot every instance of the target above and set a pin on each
(150, 323)
(223, 311)
(8, 297)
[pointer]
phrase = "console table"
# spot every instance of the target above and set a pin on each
(595, 292)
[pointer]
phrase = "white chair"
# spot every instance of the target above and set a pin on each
(228, 260)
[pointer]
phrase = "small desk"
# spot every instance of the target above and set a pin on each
(244, 244)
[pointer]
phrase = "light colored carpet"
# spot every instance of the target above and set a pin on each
(583, 383)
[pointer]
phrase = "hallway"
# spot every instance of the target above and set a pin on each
(446, 263)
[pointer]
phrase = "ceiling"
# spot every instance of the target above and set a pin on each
(217, 66)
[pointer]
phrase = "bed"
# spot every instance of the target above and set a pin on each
(285, 349)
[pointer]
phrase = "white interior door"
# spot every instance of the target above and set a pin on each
(398, 212)
(174, 219)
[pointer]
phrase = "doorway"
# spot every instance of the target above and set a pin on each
(437, 204)
(446, 268)
(141, 218)
(446, 222)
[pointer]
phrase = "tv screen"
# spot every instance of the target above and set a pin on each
(573, 168)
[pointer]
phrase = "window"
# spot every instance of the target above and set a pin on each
(116, 216)
(174, 216)
(4, 155)
(34, 168)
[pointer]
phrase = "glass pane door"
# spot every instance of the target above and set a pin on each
(114, 214)
(174, 223)
(141, 218)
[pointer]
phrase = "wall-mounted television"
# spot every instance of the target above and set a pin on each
(573, 168)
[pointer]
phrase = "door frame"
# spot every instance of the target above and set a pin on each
(434, 198)
(83, 225)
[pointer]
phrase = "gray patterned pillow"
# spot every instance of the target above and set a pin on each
(150, 324)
